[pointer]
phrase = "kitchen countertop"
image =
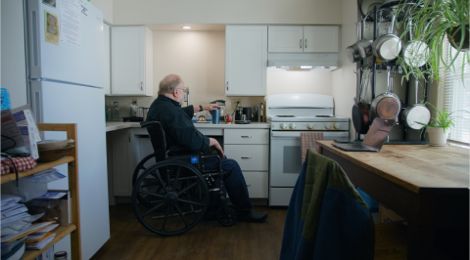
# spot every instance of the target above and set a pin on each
(112, 126)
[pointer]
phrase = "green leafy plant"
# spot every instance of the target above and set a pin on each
(443, 120)
(434, 22)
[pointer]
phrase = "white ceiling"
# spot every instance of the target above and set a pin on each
(194, 27)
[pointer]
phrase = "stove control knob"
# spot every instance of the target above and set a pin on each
(310, 126)
(327, 126)
(283, 126)
(292, 126)
(336, 126)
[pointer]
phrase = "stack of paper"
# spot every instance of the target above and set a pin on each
(38, 241)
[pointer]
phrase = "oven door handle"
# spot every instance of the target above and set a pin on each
(285, 134)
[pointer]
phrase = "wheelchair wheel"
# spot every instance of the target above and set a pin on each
(170, 197)
(139, 169)
(229, 218)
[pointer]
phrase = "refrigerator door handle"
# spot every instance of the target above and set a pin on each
(142, 85)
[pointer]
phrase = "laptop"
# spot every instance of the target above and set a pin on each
(374, 139)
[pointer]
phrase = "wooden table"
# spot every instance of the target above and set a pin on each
(429, 187)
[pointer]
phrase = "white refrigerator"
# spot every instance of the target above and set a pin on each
(66, 78)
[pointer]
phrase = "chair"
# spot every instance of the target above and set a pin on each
(171, 196)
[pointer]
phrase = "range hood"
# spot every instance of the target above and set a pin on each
(303, 61)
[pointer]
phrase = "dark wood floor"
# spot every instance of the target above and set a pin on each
(208, 240)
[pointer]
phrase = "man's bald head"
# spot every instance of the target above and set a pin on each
(169, 83)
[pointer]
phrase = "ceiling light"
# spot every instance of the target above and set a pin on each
(306, 67)
(186, 27)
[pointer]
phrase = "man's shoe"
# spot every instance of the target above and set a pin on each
(253, 216)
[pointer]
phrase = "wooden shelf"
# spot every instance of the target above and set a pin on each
(60, 233)
(41, 167)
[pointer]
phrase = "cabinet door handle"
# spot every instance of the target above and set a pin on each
(227, 85)
(142, 85)
(246, 157)
(305, 43)
(246, 136)
(248, 185)
(300, 43)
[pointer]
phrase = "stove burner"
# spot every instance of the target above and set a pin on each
(325, 116)
(285, 116)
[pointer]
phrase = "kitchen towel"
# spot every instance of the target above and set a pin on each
(22, 163)
(309, 140)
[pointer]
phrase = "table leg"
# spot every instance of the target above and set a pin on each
(421, 226)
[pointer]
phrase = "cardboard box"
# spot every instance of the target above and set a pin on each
(387, 215)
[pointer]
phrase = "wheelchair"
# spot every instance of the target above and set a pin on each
(171, 188)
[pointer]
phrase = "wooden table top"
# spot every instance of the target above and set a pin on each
(413, 166)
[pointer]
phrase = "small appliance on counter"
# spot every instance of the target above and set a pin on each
(136, 114)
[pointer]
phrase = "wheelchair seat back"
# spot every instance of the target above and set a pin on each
(158, 139)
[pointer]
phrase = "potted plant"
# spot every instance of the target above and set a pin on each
(439, 127)
(434, 22)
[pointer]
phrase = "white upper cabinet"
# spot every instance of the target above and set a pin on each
(285, 39)
(321, 38)
(131, 61)
(246, 54)
(107, 58)
(303, 39)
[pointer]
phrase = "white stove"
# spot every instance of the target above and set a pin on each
(290, 115)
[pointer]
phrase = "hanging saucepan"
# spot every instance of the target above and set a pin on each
(415, 113)
(360, 114)
(415, 53)
(387, 47)
(386, 105)
(360, 50)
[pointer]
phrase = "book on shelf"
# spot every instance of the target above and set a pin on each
(65, 207)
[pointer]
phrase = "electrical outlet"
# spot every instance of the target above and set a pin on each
(134, 102)
(234, 103)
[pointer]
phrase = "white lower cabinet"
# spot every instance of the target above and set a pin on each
(250, 148)
(249, 157)
(257, 184)
(123, 164)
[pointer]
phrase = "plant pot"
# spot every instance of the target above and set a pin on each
(437, 136)
(457, 36)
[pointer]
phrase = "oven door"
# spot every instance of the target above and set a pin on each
(285, 157)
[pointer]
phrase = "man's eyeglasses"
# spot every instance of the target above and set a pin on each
(185, 89)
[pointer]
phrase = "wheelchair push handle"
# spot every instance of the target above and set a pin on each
(150, 123)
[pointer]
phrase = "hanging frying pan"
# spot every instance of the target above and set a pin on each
(387, 47)
(386, 105)
(415, 53)
(361, 49)
(360, 114)
(415, 113)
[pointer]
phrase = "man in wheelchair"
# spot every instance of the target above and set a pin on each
(180, 131)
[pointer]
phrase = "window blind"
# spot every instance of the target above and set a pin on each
(454, 95)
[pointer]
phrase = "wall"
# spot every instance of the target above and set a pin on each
(105, 6)
(198, 57)
(228, 12)
(13, 52)
(315, 82)
(344, 80)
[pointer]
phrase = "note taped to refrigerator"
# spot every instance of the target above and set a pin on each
(70, 24)
(51, 27)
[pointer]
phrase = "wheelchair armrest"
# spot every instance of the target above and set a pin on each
(214, 156)
(178, 149)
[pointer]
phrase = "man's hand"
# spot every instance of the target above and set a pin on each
(210, 107)
(215, 147)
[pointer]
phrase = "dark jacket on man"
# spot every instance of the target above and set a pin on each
(177, 124)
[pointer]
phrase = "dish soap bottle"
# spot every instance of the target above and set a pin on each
(116, 111)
